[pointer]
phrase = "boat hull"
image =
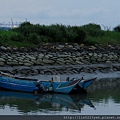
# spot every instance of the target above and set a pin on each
(17, 85)
(61, 87)
(31, 85)
(84, 84)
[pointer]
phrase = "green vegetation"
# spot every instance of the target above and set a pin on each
(11, 38)
(28, 35)
(109, 38)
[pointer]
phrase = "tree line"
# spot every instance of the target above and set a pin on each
(57, 33)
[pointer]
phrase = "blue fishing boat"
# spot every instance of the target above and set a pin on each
(17, 84)
(69, 86)
(33, 85)
(61, 86)
(84, 84)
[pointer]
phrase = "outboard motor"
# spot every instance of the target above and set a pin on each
(41, 86)
(37, 83)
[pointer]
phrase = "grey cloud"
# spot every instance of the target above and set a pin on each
(61, 11)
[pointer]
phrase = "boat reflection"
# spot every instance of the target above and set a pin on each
(25, 102)
(75, 102)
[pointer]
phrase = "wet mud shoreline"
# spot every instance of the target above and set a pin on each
(46, 72)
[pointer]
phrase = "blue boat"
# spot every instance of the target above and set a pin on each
(61, 87)
(32, 85)
(17, 84)
(84, 84)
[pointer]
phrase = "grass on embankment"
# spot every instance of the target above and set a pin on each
(109, 38)
(10, 38)
(6, 40)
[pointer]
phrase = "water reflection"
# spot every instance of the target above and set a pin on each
(25, 103)
(103, 98)
(105, 89)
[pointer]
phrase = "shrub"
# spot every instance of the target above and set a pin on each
(33, 38)
(117, 29)
(93, 30)
(44, 39)
(17, 37)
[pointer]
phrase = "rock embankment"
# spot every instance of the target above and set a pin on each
(59, 59)
(63, 69)
(59, 55)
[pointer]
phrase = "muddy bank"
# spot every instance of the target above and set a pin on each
(100, 76)
(88, 71)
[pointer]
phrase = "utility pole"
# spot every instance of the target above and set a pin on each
(11, 23)
(26, 19)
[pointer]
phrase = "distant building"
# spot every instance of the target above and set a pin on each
(10, 25)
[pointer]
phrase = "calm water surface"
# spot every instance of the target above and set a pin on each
(103, 98)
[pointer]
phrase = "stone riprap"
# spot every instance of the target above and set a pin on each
(59, 59)
(62, 69)
(59, 55)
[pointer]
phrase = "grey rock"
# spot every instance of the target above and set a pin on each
(2, 60)
(2, 63)
(28, 63)
(11, 63)
(79, 62)
(48, 61)
(3, 48)
(30, 57)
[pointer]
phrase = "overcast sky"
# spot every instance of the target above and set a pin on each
(67, 12)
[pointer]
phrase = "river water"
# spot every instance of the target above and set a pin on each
(102, 98)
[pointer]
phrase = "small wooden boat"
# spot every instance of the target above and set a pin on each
(32, 85)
